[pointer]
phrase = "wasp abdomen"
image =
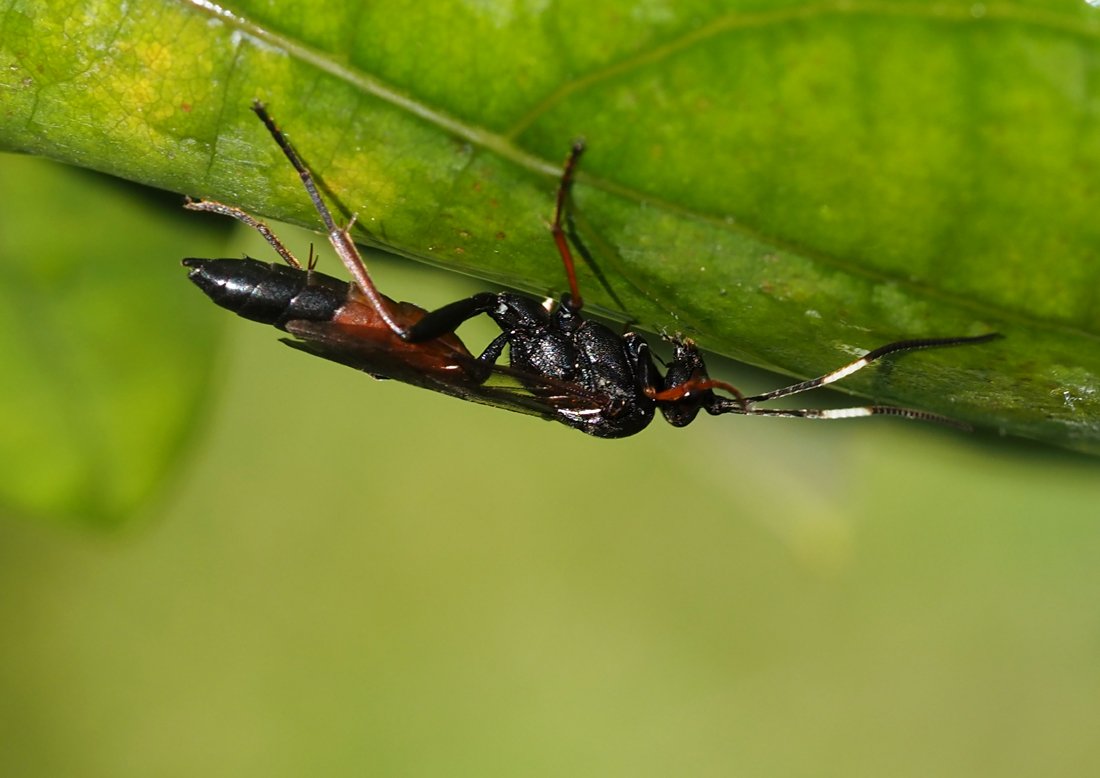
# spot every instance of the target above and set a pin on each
(268, 293)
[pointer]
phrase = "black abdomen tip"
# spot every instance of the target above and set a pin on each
(271, 294)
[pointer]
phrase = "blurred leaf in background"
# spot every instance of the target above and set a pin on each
(106, 357)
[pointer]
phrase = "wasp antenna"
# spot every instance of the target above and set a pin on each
(854, 412)
(897, 347)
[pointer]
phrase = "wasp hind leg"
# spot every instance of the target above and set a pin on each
(213, 206)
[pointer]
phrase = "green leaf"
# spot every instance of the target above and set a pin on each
(104, 368)
(787, 182)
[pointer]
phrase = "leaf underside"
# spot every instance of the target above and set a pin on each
(789, 183)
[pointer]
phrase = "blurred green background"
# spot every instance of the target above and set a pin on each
(348, 577)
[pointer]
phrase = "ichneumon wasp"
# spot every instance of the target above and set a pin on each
(562, 366)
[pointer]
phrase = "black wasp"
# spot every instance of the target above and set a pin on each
(562, 366)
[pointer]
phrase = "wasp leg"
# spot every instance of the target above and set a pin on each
(564, 185)
(213, 206)
(450, 317)
(339, 237)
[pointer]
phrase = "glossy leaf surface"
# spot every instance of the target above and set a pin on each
(787, 182)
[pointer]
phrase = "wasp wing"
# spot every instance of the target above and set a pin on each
(462, 376)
